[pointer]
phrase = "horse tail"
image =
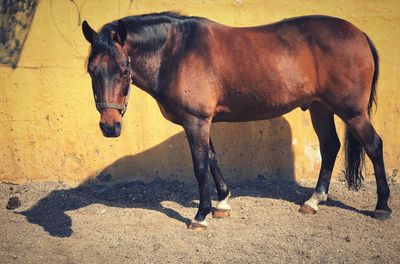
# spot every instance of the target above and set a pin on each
(372, 97)
(355, 153)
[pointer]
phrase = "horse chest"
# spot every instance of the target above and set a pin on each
(168, 114)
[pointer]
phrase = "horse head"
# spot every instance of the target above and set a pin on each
(109, 66)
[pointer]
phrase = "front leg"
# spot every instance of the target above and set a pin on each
(198, 134)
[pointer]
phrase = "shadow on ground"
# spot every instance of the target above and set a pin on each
(266, 176)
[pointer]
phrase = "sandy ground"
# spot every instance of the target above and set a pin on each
(146, 223)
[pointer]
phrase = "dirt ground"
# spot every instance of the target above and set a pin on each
(146, 223)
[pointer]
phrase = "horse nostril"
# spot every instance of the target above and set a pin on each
(113, 131)
(104, 127)
(117, 128)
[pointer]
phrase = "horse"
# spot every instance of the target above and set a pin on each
(200, 71)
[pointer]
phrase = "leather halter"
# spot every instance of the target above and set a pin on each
(122, 107)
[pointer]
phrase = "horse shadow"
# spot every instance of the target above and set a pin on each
(257, 156)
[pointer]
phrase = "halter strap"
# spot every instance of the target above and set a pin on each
(122, 107)
(104, 105)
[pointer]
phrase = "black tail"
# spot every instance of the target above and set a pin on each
(372, 97)
(354, 151)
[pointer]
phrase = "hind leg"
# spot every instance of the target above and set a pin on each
(365, 133)
(329, 144)
(222, 208)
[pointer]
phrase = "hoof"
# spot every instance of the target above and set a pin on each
(197, 227)
(220, 213)
(381, 215)
(305, 209)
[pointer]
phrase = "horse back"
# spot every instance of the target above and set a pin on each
(252, 73)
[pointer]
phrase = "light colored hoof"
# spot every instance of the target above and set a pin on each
(197, 226)
(305, 209)
(221, 213)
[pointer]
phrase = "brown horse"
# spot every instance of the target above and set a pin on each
(200, 72)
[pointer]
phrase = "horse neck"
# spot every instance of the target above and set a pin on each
(151, 69)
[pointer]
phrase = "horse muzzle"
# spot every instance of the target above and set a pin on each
(111, 131)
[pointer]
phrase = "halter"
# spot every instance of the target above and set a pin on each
(122, 107)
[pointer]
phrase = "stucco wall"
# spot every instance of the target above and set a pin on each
(49, 126)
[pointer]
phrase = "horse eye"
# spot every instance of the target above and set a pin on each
(125, 72)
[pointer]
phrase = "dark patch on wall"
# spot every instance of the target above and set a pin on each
(15, 21)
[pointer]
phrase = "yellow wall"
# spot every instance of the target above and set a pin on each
(49, 126)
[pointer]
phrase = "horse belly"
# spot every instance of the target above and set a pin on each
(258, 107)
(266, 86)
(229, 116)
(267, 95)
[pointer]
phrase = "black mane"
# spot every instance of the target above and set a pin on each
(156, 18)
(151, 28)
(104, 43)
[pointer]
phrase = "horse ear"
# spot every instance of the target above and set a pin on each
(88, 32)
(120, 37)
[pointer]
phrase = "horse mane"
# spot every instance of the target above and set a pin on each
(104, 42)
(152, 29)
